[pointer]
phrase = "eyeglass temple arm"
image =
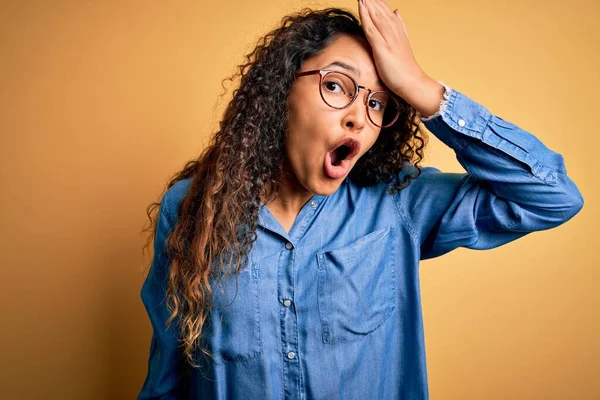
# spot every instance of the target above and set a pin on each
(307, 73)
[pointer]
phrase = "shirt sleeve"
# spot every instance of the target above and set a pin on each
(163, 378)
(513, 184)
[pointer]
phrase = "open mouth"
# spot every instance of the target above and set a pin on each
(338, 159)
(344, 150)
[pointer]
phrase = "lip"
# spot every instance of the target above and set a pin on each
(341, 170)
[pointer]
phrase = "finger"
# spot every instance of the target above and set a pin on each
(397, 13)
(383, 4)
(371, 31)
(383, 18)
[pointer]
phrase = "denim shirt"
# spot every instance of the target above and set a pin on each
(332, 309)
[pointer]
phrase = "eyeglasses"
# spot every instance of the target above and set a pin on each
(339, 90)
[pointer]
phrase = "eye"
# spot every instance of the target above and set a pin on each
(377, 105)
(331, 86)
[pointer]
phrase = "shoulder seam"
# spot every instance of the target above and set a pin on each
(167, 203)
(404, 218)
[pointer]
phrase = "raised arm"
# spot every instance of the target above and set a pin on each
(514, 184)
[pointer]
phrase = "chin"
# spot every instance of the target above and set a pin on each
(328, 186)
(326, 192)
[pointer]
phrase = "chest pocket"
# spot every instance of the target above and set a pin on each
(356, 287)
(234, 331)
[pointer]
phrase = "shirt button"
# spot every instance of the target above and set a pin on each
(291, 355)
(313, 204)
(461, 122)
(289, 246)
(287, 302)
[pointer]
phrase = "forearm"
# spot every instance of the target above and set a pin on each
(424, 94)
(514, 164)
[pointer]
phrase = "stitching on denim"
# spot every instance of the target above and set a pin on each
(280, 331)
(395, 242)
(255, 266)
(404, 219)
(533, 169)
(322, 307)
(322, 269)
(167, 209)
(252, 280)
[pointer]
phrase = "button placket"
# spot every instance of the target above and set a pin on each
(288, 317)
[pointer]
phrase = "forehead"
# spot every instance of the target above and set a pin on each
(351, 55)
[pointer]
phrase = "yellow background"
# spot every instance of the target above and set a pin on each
(100, 102)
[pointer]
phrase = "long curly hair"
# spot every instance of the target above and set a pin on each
(242, 165)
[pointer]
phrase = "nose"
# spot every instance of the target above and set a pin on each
(356, 114)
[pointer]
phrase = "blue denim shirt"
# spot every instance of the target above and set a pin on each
(332, 309)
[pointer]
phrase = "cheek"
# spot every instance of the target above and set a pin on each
(309, 114)
(301, 149)
(307, 129)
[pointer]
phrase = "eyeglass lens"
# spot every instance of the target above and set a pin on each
(338, 91)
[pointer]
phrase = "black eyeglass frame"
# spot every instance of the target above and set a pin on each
(323, 72)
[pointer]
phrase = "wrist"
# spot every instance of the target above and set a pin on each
(424, 94)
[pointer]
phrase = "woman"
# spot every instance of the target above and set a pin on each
(286, 257)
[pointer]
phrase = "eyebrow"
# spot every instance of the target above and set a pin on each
(350, 68)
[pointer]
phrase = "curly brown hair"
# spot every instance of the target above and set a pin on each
(242, 165)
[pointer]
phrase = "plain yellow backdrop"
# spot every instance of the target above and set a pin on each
(100, 102)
